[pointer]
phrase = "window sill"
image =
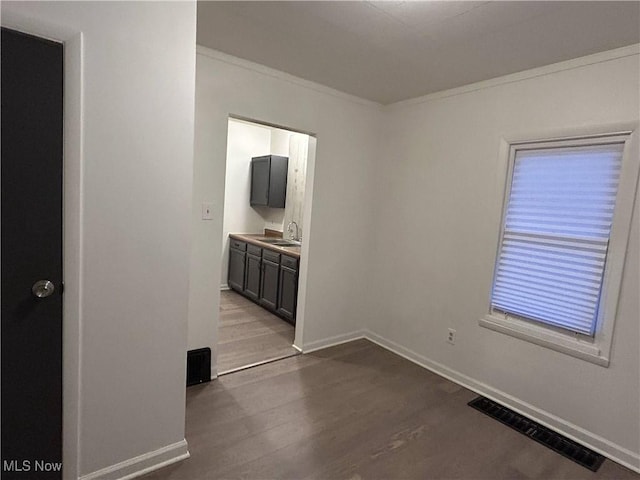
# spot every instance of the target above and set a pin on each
(545, 337)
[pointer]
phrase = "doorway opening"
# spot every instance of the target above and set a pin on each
(265, 227)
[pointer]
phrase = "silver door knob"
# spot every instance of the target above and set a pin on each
(43, 288)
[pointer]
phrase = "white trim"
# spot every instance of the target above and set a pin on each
(285, 77)
(297, 347)
(261, 362)
(571, 64)
(262, 123)
(224, 287)
(546, 337)
(73, 262)
(303, 266)
(333, 341)
(72, 224)
(611, 450)
(574, 63)
(142, 464)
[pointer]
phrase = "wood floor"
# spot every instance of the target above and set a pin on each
(355, 411)
(247, 333)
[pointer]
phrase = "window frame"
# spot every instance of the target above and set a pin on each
(597, 348)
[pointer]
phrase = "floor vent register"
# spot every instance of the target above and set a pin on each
(541, 434)
(198, 366)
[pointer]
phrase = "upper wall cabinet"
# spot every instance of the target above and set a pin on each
(269, 181)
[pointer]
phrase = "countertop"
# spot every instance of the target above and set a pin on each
(257, 239)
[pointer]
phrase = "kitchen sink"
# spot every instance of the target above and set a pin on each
(286, 244)
(279, 242)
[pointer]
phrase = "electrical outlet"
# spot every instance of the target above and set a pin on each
(451, 336)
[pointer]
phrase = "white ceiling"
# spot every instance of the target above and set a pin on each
(393, 50)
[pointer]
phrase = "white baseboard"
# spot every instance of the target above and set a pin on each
(224, 287)
(595, 442)
(142, 464)
(214, 367)
(332, 341)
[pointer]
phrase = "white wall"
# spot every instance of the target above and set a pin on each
(296, 180)
(280, 141)
(138, 96)
(438, 225)
(244, 141)
(334, 253)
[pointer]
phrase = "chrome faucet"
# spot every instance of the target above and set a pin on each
(295, 237)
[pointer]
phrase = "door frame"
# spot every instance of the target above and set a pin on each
(303, 265)
(72, 252)
(303, 268)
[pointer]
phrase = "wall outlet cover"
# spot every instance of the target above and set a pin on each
(451, 336)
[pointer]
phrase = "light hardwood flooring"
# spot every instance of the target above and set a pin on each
(247, 333)
(355, 411)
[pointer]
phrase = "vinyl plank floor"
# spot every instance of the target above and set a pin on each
(248, 334)
(355, 411)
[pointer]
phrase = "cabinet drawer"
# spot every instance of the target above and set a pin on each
(238, 245)
(290, 262)
(271, 256)
(253, 250)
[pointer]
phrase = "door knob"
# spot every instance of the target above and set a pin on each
(42, 288)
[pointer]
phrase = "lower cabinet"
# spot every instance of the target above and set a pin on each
(237, 261)
(252, 277)
(268, 278)
(288, 294)
(269, 287)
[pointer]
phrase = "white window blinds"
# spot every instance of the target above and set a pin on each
(556, 234)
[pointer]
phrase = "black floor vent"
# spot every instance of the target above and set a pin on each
(198, 366)
(556, 442)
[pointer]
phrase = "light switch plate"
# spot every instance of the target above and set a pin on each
(207, 211)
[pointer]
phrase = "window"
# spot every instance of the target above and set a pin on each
(554, 276)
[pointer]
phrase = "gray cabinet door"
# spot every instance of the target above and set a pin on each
(235, 278)
(278, 181)
(269, 181)
(288, 294)
(260, 173)
(269, 285)
(252, 277)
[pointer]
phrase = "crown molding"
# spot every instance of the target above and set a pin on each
(271, 72)
(574, 63)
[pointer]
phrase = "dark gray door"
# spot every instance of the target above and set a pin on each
(252, 277)
(31, 251)
(235, 278)
(269, 285)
